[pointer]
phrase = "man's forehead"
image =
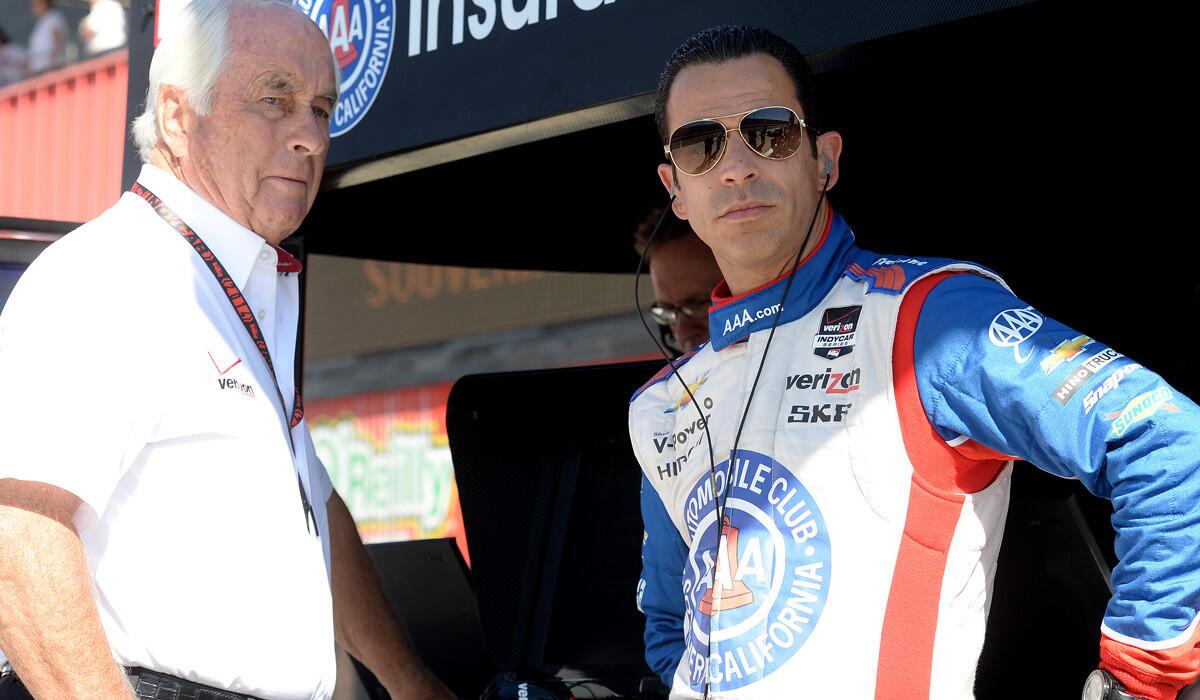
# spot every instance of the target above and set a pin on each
(284, 47)
(706, 90)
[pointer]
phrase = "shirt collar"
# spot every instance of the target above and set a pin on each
(733, 318)
(236, 246)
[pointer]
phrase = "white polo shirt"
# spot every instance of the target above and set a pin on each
(127, 379)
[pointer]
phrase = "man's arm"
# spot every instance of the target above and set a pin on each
(660, 588)
(49, 625)
(992, 369)
(363, 622)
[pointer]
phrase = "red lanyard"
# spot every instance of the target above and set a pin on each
(240, 306)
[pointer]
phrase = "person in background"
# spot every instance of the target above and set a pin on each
(103, 29)
(12, 60)
(48, 40)
(683, 274)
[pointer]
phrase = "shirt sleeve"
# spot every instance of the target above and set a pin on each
(660, 588)
(992, 369)
(322, 485)
(75, 385)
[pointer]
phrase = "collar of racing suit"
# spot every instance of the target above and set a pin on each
(733, 318)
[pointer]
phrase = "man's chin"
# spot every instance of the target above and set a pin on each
(285, 222)
(276, 234)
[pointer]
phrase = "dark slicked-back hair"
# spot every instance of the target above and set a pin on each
(725, 43)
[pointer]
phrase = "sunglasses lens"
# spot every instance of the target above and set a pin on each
(773, 132)
(695, 147)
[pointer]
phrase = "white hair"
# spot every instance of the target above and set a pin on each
(190, 57)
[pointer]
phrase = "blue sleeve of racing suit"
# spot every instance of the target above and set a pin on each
(991, 368)
(660, 589)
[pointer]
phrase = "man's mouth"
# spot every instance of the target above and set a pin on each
(744, 210)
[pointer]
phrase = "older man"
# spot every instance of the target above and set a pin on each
(863, 411)
(161, 505)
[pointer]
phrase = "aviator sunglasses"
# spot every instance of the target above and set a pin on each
(771, 132)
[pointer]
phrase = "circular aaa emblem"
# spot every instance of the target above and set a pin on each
(361, 34)
(756, 583)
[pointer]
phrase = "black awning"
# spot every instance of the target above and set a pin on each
(961, 139)
(476, 67)
(421, 73)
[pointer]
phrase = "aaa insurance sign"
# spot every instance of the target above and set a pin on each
(360, 33)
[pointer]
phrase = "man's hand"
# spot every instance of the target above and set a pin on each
(49, 626)
(363, 622)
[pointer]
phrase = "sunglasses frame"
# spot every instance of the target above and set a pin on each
(725, 138)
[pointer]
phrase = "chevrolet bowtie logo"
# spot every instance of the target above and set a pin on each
(687, 395)
(1066, 350)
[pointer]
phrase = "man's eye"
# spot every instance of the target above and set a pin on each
(273, 101)
(321, 112)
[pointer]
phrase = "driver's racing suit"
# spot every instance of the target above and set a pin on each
(864, 512)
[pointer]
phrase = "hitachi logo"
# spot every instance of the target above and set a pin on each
(670, 469)
(832, 382)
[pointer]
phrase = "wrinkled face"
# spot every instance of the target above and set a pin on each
(683, 272)
(752, 211)
(259, 154)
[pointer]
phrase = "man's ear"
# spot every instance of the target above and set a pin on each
(667, 175)
(829, 152)
(174, 120)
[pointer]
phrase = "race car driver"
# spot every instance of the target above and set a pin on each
(872, 405)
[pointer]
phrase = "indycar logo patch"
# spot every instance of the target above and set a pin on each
(835, 337)
(755, 583)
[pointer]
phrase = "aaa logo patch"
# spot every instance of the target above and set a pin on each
(755, 583)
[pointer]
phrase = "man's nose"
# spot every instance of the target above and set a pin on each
(309, 134)
(739, 164)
